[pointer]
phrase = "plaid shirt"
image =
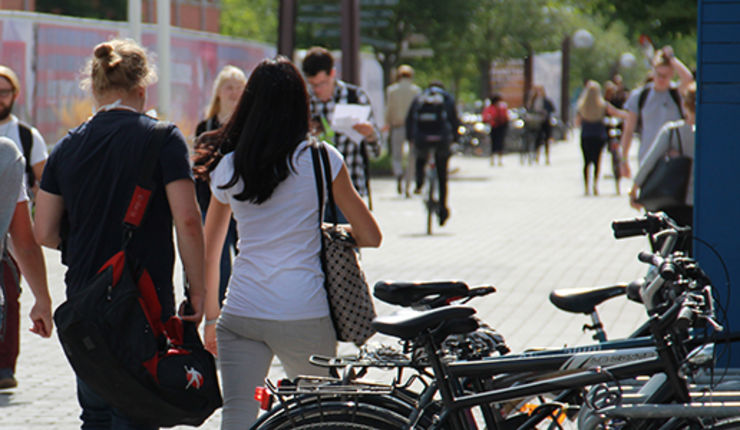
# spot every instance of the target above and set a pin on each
(354, 158)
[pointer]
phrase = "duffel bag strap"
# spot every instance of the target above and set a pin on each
(145, 182)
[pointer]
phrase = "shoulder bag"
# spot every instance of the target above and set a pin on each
(350, 303)
(665, 185)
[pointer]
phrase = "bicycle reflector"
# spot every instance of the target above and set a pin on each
(263, 397)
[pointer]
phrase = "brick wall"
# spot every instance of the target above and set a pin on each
(29, 5)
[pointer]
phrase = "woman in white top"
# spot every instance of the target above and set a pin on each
(674, 137)
(276, 303)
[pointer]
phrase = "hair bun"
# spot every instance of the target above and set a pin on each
(103, 50)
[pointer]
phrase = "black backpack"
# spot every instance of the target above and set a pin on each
(430, 117)
(157, 373)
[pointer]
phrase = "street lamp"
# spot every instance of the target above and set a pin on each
(581, 39)
(627, 60)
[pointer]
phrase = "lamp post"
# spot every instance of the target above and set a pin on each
(580, 39)
(286, 28)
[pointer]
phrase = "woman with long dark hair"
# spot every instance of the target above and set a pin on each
(275, 302)
(227, 89)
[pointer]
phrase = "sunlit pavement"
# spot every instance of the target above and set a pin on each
(524, 229)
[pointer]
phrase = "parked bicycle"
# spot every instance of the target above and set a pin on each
(494, 385)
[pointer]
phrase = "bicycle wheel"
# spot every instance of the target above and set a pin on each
(333, 414)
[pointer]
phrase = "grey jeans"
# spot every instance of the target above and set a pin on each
(246, 347)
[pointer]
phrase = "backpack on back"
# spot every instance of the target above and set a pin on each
(430, 117)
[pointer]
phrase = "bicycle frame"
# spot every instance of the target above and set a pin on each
(455, 402)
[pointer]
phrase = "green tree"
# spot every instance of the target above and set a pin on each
(504, 29)
(250, 19)
(662, 20)
(386, 29)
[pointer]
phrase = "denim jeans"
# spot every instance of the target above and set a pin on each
(97, 414)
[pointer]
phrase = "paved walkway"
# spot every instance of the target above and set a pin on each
(525, 229)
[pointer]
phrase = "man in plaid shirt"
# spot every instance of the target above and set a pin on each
(326, 92)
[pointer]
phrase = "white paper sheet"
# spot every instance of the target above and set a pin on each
(346, 116)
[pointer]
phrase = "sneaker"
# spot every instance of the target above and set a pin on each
(443, 214)
(399, 184)
(8, 382)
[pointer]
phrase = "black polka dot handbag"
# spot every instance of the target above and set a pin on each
(350, 303)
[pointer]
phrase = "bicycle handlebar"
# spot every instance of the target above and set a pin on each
(666, 266)
(631, 228)
(650, 223)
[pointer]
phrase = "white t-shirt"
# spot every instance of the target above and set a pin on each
(277, 274)
(659, 108)
(22, 194)
(38, 148)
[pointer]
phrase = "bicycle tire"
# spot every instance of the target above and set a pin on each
(333, 414)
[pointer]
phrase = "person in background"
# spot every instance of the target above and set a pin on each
(277, 303)
(674, 137)
(398, 98)
(539, 105)
(17, 244)
(27, 138)
(431, 126)
(227, 89)
(591, 111)
(619, 97)
(496, 114)
(654, 104)
(86, 189)
(614, 126)
(326, 92)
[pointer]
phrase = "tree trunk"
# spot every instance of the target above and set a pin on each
(484, 69)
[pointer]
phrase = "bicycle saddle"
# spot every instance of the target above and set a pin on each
(409, 326)
(408, 293)
(584, 300)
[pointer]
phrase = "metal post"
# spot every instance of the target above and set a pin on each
(528, 73)
(565, 81)
(134, 19)
(163, 48)
(350, 41)
(286, 28)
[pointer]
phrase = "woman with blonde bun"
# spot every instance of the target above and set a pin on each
(86, 188)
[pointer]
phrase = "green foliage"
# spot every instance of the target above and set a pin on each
(250, 19)
(662, 20)
(601, 61)
(467, 35)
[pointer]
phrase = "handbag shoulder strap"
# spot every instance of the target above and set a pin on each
(678, 137)
(145, 181)
(327, 175)
(317, 175)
